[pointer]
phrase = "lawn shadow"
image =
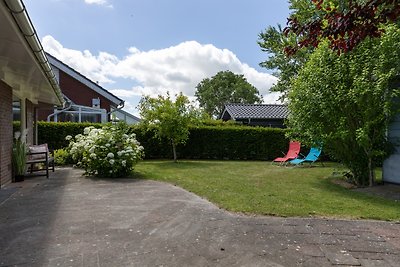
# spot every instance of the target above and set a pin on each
(387, 191)
(329, 184)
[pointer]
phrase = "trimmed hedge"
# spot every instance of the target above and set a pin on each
(255, 143)
(54, 133)
(205, 142)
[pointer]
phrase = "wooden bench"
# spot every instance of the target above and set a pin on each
(40, 154)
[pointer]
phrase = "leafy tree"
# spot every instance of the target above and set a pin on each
(170, 119)
(273, 41)
(225, 87)
(344, 23)
(286, 68)
(341, 26)
(346, 101)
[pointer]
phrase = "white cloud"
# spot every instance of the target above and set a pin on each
(123, 92)
(84, 62)
(180, 68)
(175, 69)
(99, 2)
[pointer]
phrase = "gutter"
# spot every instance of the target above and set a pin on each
(24, 23)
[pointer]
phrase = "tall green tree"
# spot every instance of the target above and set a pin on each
(346, 101)
(225, 87)
(171, 119)
(343, 101)
(273, 41)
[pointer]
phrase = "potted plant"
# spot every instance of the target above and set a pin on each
(19, 160)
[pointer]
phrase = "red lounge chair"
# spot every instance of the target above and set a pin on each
(294, 150)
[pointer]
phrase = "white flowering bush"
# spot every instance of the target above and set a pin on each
(107, 152)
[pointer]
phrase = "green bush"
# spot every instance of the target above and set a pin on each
(244, 142)
(107, 152)
(54, 133)
(62, 157)
(16, 126)
(215, 142)
(220, 141)
(154, 148)
(221, 123)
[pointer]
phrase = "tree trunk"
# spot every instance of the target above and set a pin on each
(371, 173)
(174, 151)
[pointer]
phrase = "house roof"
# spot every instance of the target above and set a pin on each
(126, 116)
(254, 111)
(23, 63)
(125, 113)
(83, 79)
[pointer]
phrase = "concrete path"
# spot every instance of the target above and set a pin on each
(70, 220)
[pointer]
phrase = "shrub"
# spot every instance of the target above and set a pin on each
(110, 151)
(54, 133)
(217, 140)
(234, 142)
(62, 157)
(19, 157)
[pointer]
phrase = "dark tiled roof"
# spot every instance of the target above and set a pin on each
(256, 111)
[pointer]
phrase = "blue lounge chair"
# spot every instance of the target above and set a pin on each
(312, 156)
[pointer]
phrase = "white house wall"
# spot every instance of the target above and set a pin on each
(391, 166)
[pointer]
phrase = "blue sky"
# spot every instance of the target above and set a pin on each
(153, 46)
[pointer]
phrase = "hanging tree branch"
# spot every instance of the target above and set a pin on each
(344, 26)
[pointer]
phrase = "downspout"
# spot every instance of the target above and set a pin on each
(60, 111)
(118, 108)
(24, 23)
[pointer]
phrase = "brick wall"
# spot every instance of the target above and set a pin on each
(6, 133)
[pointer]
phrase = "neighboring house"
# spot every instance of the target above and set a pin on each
(267, 115)
(391, 166)
(86, 100)
(122, 115)
(26, 80)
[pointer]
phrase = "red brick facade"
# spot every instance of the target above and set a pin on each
(79, 93)
(6, 133)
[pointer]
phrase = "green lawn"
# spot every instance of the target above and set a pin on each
(261, 188)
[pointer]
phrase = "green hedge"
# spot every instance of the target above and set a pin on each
(214, 142)
(54, 133)
(205, 142)
(257, 143)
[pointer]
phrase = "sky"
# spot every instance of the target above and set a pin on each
(150, 47)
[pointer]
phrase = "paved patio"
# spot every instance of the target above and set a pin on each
(71, 220)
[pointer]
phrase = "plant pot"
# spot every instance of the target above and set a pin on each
(18, 178)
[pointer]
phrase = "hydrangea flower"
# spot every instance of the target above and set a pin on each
(109, 151)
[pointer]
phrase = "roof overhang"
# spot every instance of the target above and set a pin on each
(23, 64)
